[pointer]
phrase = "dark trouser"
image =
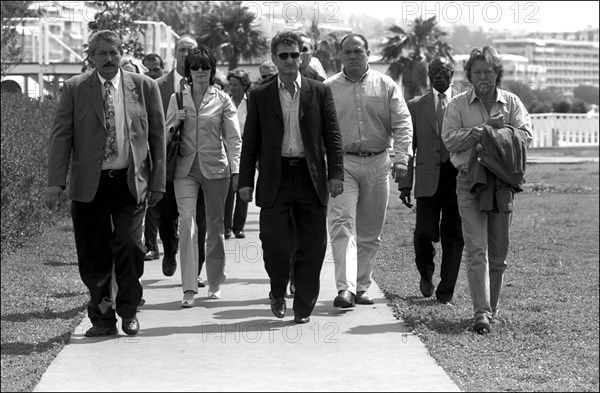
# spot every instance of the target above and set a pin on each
(168, 225)
(235, 218)
(151, 228)
(98, 245)
(297, 196)
(428, 230)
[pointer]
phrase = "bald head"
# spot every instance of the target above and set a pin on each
(438, 63)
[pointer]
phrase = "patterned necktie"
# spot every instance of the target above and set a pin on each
(439, 116)
(439, 113)
(111, 149)
(291, 88)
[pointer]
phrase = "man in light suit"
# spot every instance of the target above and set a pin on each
(435, 186)
(168, 214)
(112, 125)
(290, 127)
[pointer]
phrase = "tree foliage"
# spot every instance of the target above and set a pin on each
(328, 49)
(13, 13)
(587, 93)
(120, 17)
(228, 29)
(180, 15)
(409, 52)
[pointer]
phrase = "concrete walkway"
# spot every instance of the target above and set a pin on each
(236, 344)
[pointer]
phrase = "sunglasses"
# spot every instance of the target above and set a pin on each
(304, 49)
(196, 67)
(266, 76)
(284, 55)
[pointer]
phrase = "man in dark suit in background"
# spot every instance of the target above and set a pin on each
(112, 125)
(435, 186)
(290, 127)
(168, 84)
(307, 50)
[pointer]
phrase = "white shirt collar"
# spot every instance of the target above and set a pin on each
(448, 93)
(297, 82)
(115, 81)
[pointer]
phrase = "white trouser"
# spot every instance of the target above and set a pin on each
(356, 218)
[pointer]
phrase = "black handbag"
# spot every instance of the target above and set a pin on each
(173, 145)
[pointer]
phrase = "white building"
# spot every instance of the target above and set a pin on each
(568, 63)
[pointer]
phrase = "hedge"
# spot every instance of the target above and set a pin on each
(26, 125)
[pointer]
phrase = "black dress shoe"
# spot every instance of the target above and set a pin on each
(100, 331)
(344, 299)
(239, 234)
(130, 326)
(227, 233)
(169, 265)
(300, 319)
(363, 298)
(426, 287)
(278, 306)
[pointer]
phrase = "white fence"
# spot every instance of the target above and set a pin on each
(564, 129)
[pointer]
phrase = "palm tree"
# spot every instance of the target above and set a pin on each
(327, 49)
(229, 30)
(409, 53)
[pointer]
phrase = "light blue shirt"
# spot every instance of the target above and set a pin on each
(466, 111)
(372, 114)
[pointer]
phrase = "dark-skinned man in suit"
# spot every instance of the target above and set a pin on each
(435, 186)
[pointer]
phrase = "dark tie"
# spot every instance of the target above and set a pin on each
(291, 88)
(111, 149)
(439, 116)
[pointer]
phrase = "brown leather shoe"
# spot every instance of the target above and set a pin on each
(481, 325)
(344, 299)
(130, 326)
(363, 298)
(101, 331)
(278, 306)
(169, 265)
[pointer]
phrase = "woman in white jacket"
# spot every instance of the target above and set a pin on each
(209, 156)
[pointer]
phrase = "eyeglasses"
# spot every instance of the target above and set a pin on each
(304, 49)
(196, 67)
(266, 76)
(284, 55)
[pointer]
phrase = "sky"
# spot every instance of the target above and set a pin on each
(530, 16)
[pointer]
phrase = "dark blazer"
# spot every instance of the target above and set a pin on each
(165, 85)
(263, 136)
(79, 130)
(427, 144)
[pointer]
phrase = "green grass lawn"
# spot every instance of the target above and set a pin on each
(547, 335)
(546, 339)
(43, 301)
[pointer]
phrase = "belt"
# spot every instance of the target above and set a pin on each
(114, 172)
(364, 153)
(293, 161)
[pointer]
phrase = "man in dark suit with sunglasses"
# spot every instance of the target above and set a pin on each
(290, 127)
